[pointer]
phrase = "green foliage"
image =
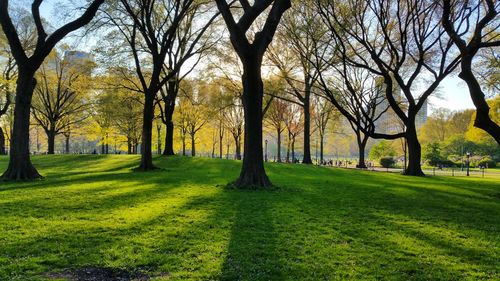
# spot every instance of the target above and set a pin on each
(382, 149)
(387, 162)
(180, 223)
(432, 154)
(487, 162)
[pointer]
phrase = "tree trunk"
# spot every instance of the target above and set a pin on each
(307, 126)
(253, 174)
(129, 146)
(293, 150)
(237, 146)
(20, 166)
(193, 145)
(483, 119)
(221, 139)
(414, 151)
(67, 144)
(184, 146)
(321, 149)
(278, 132)
(169, 137)
(2, 142)
(147, 133)
(361, 149)
(288, 148)
(158, 139)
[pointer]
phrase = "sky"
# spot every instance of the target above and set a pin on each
(454, 94)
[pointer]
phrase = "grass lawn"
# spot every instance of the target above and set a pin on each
(180, 223)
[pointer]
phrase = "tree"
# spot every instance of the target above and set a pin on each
(20, 166)
(150, 30)
(127, 117)
(436, 127)
(294, 118)
(294, 49)
(60, 99)
(473, 25)
(27, 35)
(323, 114)
(401, 41)
(275, 117)
(358, 97)
(193, 39)
(251, 54)
(381, 150)
(234, 124)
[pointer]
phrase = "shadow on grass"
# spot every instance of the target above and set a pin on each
(321, 224)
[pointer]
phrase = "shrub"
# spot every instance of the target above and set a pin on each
(387, 162)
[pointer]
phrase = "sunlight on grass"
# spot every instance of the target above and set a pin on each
(179, 223)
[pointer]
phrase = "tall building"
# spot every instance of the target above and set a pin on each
(389, 122)
(421, 117)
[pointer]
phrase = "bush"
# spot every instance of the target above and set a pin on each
(387, 162)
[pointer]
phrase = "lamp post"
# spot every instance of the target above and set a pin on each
(468, 162)
(265, 155)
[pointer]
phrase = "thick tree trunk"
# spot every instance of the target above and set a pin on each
(253, 174)
(278, 132)
(184, 146)
(147, 133)
(20, 166)
(361, 150)
(193, 145)
(307, 126)
(414, 151)
(483, 119)
(169, 137)
(66, 149)
(2, 143)
(129, 146)
(293, 150)
(237, 146)
(51, 140)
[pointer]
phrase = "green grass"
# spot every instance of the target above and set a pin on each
(180, 223)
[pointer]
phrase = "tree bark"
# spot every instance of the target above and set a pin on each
(184, 146)
(321, 149)
(67, 138)
(307, 126)
(237, 146)
(361, 150)
(129, 146)
(293, 150)
(253, 174)
(169, 137)
(20, 166)
(278, 132)
(2, 143)
(483, 120)
(147, 133)
(221, 140)
(414, 151)
(193, 145)
(51, 140)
